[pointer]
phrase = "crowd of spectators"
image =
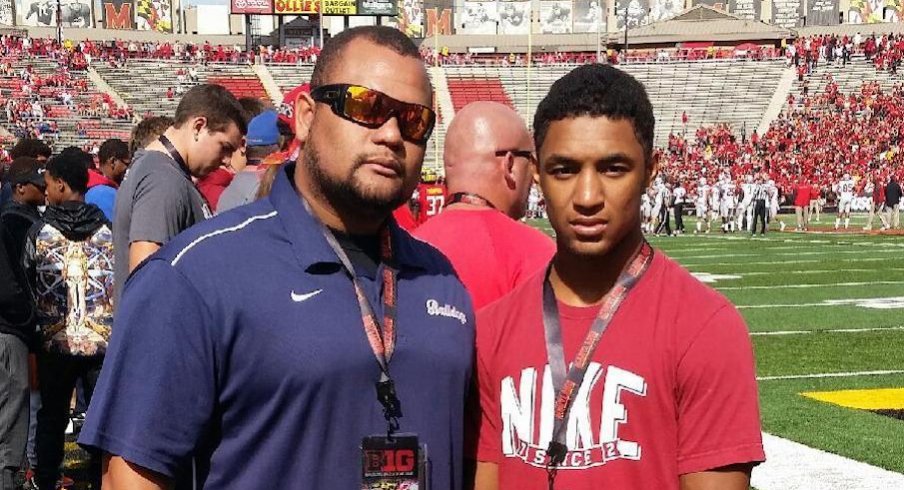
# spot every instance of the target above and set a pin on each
(885, 52)
(818, 138)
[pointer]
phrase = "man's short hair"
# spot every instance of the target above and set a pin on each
(30, 147)
(598, 91)
(148, 130)
(23, 170)
(254, 106)
(113, 148)
(215, 103)
(71, 167)
(385, 36)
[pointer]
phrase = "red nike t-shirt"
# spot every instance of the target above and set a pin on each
(491, 252)
(669, 391)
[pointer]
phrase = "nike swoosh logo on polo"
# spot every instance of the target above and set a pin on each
(298, 298)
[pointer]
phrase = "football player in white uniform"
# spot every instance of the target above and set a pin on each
(745, 209)
(715, 200)
(701, 205)
(729, 205)
(646, 210)
(844, 189)
(772, 205)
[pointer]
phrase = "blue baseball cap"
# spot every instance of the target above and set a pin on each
(262, 130)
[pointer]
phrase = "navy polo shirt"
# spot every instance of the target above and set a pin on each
(239, 359)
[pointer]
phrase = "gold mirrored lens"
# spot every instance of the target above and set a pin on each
(373, 108)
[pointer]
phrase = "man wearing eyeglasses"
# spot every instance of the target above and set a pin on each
(338, 358)
(487, 158)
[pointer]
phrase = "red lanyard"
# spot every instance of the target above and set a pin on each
(568, 383)
(381, 336)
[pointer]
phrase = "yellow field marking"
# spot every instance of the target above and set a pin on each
(875, 399)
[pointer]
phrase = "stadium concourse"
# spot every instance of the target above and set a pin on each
(823, 113)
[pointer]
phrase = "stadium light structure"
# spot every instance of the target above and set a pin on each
(59, 19)
(320, 23)
(617, 6)
(599, 33)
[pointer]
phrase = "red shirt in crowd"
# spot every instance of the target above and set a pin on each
(213, 184)
(802, 195)
(404, 218)
(670, 390)
(491, 252)
(431, 200)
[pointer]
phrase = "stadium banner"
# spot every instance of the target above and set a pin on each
(411, 18)
(786, 13)
(716, 4)
(253, 7)
(6, 12)
(555, 17)
(118, 14)
(637, 13)
(664, 9)
(822, 12)
(478, 18)
(514, 17)
(76, 13)
(589, 16)
(377, 7)
(439, 18)
(330, 7)
(871, 11)
(748, 9)
(154, 15)
(37, 13)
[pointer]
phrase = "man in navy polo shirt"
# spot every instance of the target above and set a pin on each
(259, 373)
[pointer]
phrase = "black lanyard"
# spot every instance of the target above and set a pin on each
(176, 156)
(567, 384)
(381, 336)
(470, 198)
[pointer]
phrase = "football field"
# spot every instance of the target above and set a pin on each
(826, 318)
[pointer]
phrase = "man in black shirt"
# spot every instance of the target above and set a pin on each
(892, 202)
(15, 333)
(21, 211)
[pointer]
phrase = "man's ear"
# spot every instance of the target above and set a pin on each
(304, 116)
(508, 168)
(197, 124)
(651, 169)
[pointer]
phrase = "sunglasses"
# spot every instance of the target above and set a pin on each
(372, 109)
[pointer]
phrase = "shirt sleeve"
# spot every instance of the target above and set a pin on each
(160, 209)
(486, 425)
(156, 392)
(718, 410)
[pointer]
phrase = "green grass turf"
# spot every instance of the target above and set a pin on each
(824, 259)
(856, 434)
(827, 352)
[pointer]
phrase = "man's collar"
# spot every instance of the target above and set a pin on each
(305, 231)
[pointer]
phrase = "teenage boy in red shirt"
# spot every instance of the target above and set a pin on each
(662, 396)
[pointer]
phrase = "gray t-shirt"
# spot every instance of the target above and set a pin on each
(242, 190)
(155, 202)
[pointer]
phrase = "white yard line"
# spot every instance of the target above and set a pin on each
(808, 286)
(815, 271)
(793, 466)
(831, 375)
(877, 303)
(785, 262)
(791, 254)
(868, 243)
(828, 330)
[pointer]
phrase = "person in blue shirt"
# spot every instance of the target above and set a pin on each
(243, 355)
